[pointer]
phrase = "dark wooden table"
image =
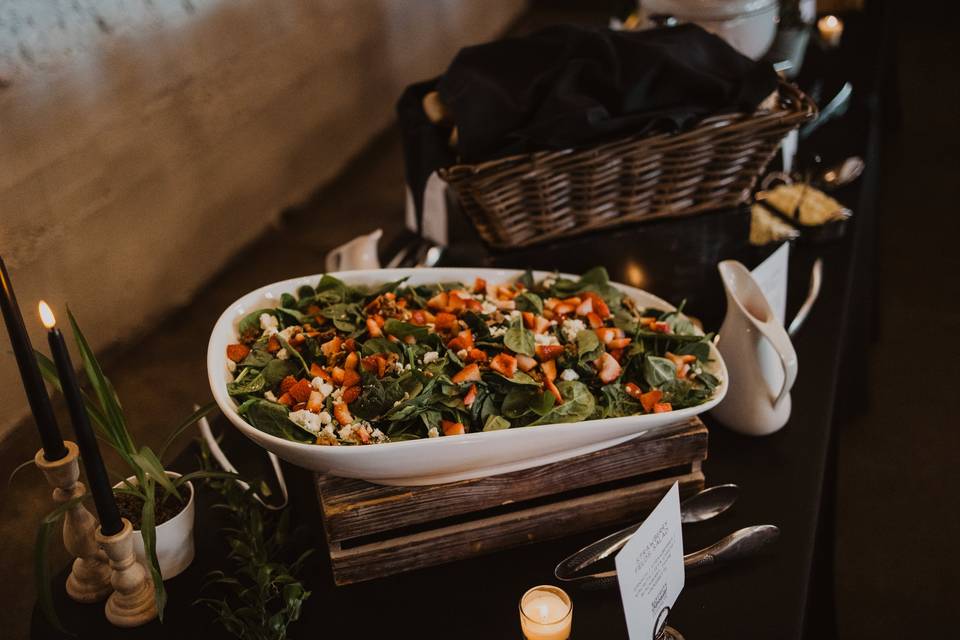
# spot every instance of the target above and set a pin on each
(785, 479)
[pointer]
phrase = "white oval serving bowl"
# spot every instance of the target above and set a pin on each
(449, 458)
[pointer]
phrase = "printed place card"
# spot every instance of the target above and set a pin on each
(650, 568)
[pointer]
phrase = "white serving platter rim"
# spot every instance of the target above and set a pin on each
(445, 459)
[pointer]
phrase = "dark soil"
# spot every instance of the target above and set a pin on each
(131, 507)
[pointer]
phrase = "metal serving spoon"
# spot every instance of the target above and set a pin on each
(740, 544)
(701, 506)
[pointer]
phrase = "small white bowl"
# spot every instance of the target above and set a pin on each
(444, 459)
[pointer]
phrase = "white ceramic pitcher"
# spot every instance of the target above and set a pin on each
(761, 362)
(359, 253)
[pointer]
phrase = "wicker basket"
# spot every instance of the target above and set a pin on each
(531, 198)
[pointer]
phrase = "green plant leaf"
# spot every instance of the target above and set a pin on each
(401, 329)
(519, 339)
(657, 371)
(147, 460)
(588, 345)
(293, 353)
(277, 370)
(496, 423)
(20, 467)
(186, 424)
(529, 301)
(148, 530)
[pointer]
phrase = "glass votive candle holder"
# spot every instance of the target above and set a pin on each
(546, 613)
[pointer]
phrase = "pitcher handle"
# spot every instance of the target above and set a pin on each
(774, 332)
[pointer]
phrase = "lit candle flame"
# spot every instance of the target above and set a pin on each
(831, 21)
(46, 315)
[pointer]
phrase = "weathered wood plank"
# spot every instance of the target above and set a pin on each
(353, 508)
(486, 535)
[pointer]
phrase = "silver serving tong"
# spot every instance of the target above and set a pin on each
(740, 544)
(699, 507)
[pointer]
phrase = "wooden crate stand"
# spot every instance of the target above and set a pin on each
(375, 531)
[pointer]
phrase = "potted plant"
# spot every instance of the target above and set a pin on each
(158, 503)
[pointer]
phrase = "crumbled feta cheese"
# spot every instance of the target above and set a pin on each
(515, 314)
(306, 419)
(337, 393)
(346, 432)
(288, 333)
(268, 323)
(329, 427)
(569, 375)
(231, 365)
(506, 305)
(497, 331)
(378, 435)
(433, 433)
(430, 356)
(270, 396)
(319, 384)
(327, 436)
(545, 339)
(462, 354)
(487, 307)
(282, 354)
(571, 327)
(325, 418)
(549, 281)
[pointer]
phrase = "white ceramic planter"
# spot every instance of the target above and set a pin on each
(175, 548)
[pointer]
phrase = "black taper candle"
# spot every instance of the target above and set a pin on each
(53, 448)
(100, 488)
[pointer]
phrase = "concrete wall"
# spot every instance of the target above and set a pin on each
(142, 142)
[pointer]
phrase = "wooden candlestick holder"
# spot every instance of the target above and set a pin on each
(89, 579)
(132, 602)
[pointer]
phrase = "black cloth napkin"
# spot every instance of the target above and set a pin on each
(571, 86)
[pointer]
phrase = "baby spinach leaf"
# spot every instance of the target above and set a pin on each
(699, 349)
(529, 301)
(519, 339)
(401, 329)
(374, 346)
(377, 397)
(276, 370)
(526, 279)
(290, 316)
(657, 371)
(257, 358)
(249, 327)
(305, 291)
(588, 345)
(496, 423)
(288, 301)
(578, 404)
(293, 354)
(387, 287)
(477, 325)
(615, 402)
(273, 418)
(254, 384)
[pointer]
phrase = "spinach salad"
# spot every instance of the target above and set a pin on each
(341, 365)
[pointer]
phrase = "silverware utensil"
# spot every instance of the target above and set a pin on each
(706, 504)
(741, 544)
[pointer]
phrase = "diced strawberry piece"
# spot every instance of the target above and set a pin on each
(599, 304)
(287, 383)
(439, 302)
(662, 407)
(470, 373)
(617, 354)
(680, 362)
(529, 320)
(351, 378)
(552, 388)
(315, 402)
(594, 320)
(350, 394)
(471, 396)
(316, 371)
(683, 370)
(525, 363)
(504, 364)
(332, 346)
(285, 400)
(633, 391)
(237, 352)
(464, 340)
(300, 391)
(549, 369)
(349, 344)
(363, 435)
(352, 360)
(342, 413)
(273, 345)
(550, 303)
(455, 303)
(472, 305)
(647, 321)
(477, 355)
(650, 399)
(661, 327)
(542, 324)
(418, 317)
(564, 308)
(585, 308)
(479, 285)
(451, 428)
(445, 321)
(607, 334)
(373, 328)
(548, 351)
(618, 343)
(607, 367)
(337, 374)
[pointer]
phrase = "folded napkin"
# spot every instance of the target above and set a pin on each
(572, 86)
